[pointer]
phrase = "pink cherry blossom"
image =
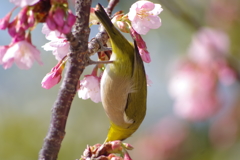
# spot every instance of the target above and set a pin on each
(195, 93)
(144, 16)
(22, 53)
(127, 156)
(51, 79)
(58, 43)
(54, 77)
(71, 19)
(60, 19)
(90, 88)
(3, 50)
(208, 45)
(23, 3)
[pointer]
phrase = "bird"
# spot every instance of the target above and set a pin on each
(123, 83)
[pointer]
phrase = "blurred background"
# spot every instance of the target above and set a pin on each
(193, 101)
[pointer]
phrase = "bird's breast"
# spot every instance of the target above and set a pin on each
(114, 91)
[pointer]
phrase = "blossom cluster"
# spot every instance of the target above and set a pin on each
(195, 84)
(142, 16)
(114, 150)
(21, 50)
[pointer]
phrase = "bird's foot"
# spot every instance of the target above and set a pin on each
(102, 47)
(98, 62)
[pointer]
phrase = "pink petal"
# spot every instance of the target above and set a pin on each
(3, 50)
(157, 10)
(152, 22)
(145, 55)
(50, 80)
(90, 88)
(23, 54)
(139, 27)
(145, 5)
(23, 3)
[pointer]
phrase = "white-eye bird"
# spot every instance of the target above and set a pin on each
(123, 84)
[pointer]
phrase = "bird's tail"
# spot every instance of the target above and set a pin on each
(107, 23)
(118, 133)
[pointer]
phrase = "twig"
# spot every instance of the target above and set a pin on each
(111, 5)
(101, 38)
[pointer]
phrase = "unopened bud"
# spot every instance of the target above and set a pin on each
(116, 145)
(123, 26)
(51, 24)
(5, 21)
(128, 146)
(22, 16)
(71, 19)
(58, 16)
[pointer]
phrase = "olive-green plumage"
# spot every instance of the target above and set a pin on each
(123, 84)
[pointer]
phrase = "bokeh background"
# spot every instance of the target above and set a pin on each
(25, 107)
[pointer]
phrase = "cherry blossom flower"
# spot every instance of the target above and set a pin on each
(58, 43)
(194, 85)
(195, 93)
(54, 77)
(144, 16)
(113, 150)
(90, 88)
(23, 3)
(3, 50)
(208, 45)
(22, 53)
(60, 19)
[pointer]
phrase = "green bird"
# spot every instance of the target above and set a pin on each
(123, 84)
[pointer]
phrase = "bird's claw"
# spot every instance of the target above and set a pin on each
(102, 47)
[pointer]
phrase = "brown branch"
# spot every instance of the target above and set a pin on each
(80, 50)
(77, 62)
(111, 5)
(101, 37)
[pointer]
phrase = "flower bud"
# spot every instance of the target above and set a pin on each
(58, 16)
(71, 19)
(116, 145)
(5, 21)
(22, 16)
(51, 24)
(54, 77)
(123, 26)
(128, 146)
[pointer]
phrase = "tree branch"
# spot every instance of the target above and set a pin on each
(102, 36)
(80, 50)
(77, 62)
